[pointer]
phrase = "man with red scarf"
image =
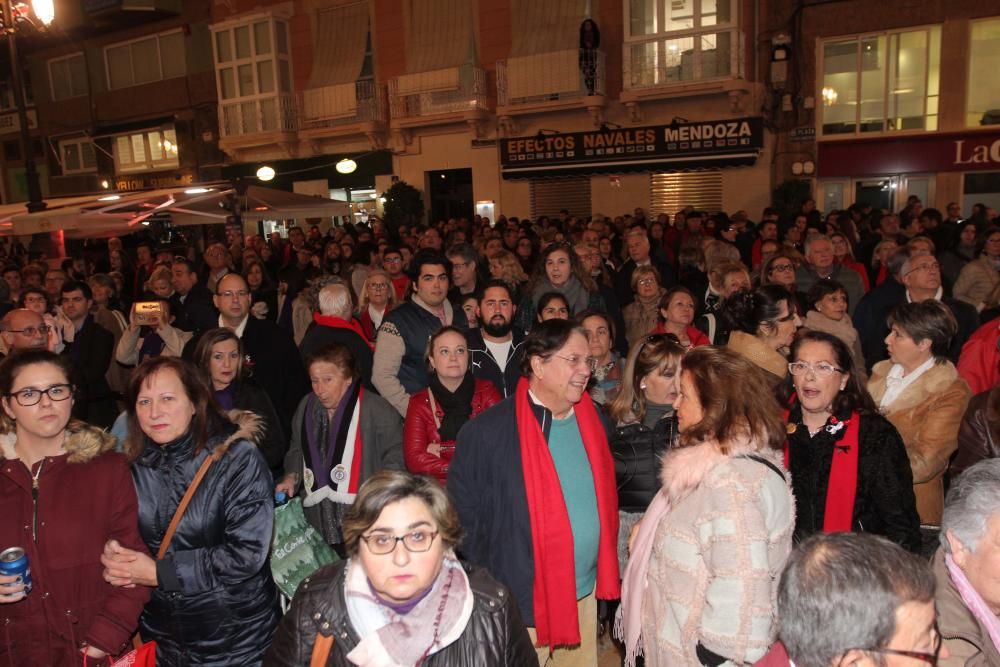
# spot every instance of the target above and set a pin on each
(534, 485)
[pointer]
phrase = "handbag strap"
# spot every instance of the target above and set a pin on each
(321, 650)
(182, 507)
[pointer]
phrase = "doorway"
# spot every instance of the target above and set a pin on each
(878, 193)
(451, 194)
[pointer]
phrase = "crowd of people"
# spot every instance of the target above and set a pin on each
(722, 441)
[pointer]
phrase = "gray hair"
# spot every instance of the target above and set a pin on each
(840, 591)
(336, 300)
(812, 240)
(972, 499)
(464, 251)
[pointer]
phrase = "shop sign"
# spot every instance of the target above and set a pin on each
(10, 123)
(802, 134)
(928, 153)
(635, 147)
(152, 181)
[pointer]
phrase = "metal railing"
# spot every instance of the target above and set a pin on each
(556, 75)
(275, 113)
(330, 107)
(469, 95)
(698, 57)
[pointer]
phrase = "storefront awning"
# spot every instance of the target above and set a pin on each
(660, 165)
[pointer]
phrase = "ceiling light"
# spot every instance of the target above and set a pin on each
(105, 184)
(44, 10)
(265, 173)
(201, 191)
(347, 166)
(110, 198)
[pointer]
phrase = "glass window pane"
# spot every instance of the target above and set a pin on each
(680, 14)
(643, 64)
(138, 148)
(123, 150)
(269, 114)
(265, 76)
(285, 72)
(119, 67)
(88, 156)
(908, 79)
(642, 17)
(281, 34)
(145, 61)
(716, 12)
(223, 46)
(873, 74)
(59, 73)
(248, 118)
(716, 55)
(77, 76)
(840, 86)
(246, 80)
(156, 147)
(173, 57)
(983, 102)
(227, 83)
(71, 157)
(242, 35)
(262, 37)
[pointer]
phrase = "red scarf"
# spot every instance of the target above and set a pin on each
(554, 588)
(842, 488)
(338, 323)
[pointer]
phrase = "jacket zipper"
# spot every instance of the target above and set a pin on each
(34, 510)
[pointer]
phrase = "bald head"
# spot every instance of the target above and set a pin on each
(232, 298)
(24, 329)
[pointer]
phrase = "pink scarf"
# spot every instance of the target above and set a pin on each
(973, 601)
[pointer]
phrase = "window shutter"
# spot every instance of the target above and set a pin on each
(549, 196)
(670, 192)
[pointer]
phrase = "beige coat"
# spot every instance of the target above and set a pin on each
(927, 415)
(977, 284)
(968, 641)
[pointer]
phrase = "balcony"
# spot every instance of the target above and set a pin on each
(698, 64)
(344, 110)
(254, 123)
(438, 97)
(567, 79)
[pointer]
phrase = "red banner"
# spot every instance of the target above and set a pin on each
(924, 153)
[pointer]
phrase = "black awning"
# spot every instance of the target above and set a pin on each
(693, 163)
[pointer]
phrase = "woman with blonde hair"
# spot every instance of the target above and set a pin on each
(702, 578)
(505, 266)
(642, 315)
(159, 282)
(377, 298)
(645, 428)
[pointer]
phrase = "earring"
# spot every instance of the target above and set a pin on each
(642, 386)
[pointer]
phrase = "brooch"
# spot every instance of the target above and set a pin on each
(791, 428)
(834, 427)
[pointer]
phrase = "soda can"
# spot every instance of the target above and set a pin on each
(14, 562)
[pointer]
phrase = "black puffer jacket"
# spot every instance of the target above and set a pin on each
(495, 635)
(215, 603)
(637, 450)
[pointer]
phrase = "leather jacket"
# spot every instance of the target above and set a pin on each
(495, 635)
(637, 450)
(979, 433)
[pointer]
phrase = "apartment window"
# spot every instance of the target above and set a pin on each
(77, 156)
(880, 83)
(253, 74)
(678, 41)
(68, 77)
(146, 60)
(146, 151)
(7, 92)
(983, 101)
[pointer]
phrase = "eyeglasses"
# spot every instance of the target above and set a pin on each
(929, 658)
(229, 294)
(416, 542)
(822, 369)
(930, 266)
(782, 267)
(31, 396)
(32, 331)
(645, 282)
(377, 286)
(576, 360)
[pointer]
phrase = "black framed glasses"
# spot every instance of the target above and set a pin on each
(32, 331)
(416, 542)
(30, 396)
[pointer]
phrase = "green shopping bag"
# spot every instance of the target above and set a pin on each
(297, 549)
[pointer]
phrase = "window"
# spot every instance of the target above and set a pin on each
(253, 74)
(145, 151)
(145, 60)
(678, 41)
(77, 156)
(7, 92)
(68, 77)
(880, 83)
(983, 101)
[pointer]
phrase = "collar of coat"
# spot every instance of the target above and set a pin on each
(938, 379)
(83, 442)
(684, 468)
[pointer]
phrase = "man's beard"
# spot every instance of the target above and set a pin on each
(497, 330)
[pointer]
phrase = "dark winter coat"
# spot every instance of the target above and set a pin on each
(979, 434)
(273, 442)
(420, 430)
(495, 635)
(884, 504)
(197, 312)
(637, 450)
(215, 603)
(85, 498)
(90, 354)
(319, 336)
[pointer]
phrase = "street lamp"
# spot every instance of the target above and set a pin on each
(44, 11)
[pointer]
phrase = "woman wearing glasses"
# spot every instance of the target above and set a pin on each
(402, 597)
(642, 314)
(779, 269)
(63, 493)
(849, 466)
(377, 298)
(921, 393)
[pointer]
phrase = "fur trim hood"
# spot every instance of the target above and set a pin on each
(83, 442)
(249, 427)
(938, 379)
(684, 468)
